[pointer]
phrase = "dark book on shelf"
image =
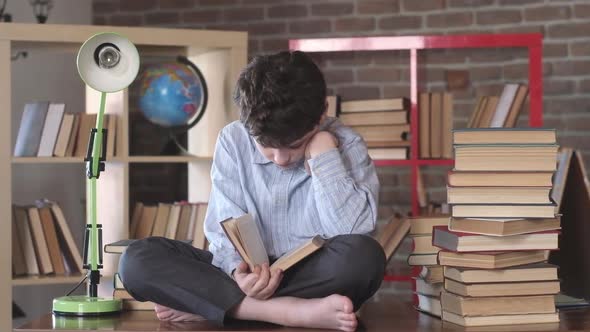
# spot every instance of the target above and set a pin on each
(120, 246)
(30, 130)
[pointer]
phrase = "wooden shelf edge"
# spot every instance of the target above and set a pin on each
(46, 280)
(57, 160)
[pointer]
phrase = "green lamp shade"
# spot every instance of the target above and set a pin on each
(83, 305)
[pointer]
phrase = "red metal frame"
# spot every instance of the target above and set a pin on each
(532, 41)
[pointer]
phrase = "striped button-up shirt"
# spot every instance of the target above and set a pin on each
(289, 205)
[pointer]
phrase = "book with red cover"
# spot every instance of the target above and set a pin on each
(443, 238)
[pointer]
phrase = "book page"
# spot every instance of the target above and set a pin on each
(292, 257)
(251, 239)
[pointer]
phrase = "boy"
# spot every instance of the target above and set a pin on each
(299, 173)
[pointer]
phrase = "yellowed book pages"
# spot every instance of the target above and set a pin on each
(502, 289)
(374, 105)
(424, 225)
(374, 118)
(498, 305)
(505, 320)
(383, 133)
(523, 273)
(492, 260)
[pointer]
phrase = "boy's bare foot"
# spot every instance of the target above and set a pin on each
(331, 312)
(172, 315)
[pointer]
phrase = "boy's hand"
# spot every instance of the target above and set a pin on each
(321, 142)
(261, 283)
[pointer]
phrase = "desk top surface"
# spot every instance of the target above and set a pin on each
(374, 317)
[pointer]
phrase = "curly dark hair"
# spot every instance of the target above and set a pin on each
(281, 97)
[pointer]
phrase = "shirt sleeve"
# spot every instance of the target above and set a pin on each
(346, 189)
(225, 201)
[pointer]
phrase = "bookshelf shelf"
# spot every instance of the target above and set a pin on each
(531, 41)
(57, 160)
(47, 280)
(220, 55)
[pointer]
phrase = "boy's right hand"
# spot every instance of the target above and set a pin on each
(261, 283)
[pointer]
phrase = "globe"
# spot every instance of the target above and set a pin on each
(171, 93)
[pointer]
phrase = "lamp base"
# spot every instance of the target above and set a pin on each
(82, 305)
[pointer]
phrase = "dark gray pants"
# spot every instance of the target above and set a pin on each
(179, 276)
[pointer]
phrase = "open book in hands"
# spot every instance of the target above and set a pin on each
(245, 236)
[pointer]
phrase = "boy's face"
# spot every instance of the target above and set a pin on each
(291, 155)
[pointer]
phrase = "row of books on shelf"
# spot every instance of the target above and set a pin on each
(47, 130)
(179, 220)
(384, 123)
(499, 111)
(492, 249)
(42, 242)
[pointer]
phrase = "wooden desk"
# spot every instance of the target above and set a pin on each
(385, 316)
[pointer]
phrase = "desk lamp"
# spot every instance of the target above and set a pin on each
(107, 62)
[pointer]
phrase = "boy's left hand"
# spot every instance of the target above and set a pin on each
(321, 142)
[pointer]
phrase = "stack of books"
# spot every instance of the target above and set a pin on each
(435, 123)
(42, 242)
(502, 227)
(424, 255)
(129, 303)
(383, 124)
(46, 130)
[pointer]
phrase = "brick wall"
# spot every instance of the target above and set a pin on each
(353, 75)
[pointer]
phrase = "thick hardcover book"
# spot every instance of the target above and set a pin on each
(30, 130)
(443, 238)
(491, 260)
(497, 305)
(504, 136)
(245, 236)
